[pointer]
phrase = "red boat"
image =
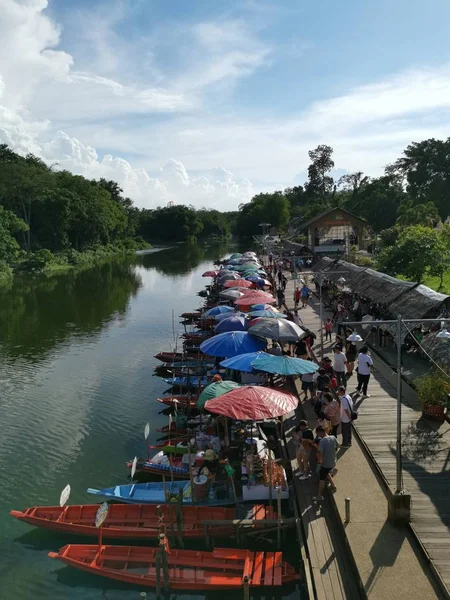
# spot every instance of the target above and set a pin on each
(222, 569)
(135, 521)
(180, 401)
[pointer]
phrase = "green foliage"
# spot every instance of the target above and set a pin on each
(433, 389)
(412, 213)
(9, 226)
(177, 223)
(418, 250)
(36, 262)
(263, 208)
(214, 223)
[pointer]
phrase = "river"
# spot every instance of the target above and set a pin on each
(77, 388)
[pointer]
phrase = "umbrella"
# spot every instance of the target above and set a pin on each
(239, 283)
(227, 315)
(232, 324)
(231, 344)
(242, 362)
(228, 278)
(252, 277)
(253, 403)
(281, 330)
(231, 294)
(218, 310)
(263, 307)
(235, 255)
(252, 297)
(284, 365)
(210, 274)
(214, 390)
(267, 314)
(263, 281)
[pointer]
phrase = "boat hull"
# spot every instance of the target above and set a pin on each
(222, 569)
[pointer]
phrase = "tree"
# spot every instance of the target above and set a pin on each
(9, 226)
(173, 223)
(411, 213)
(319, 183)
(425, 166)
(418, 250)
(263, 208)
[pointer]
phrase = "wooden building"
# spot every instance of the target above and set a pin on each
(335, 232)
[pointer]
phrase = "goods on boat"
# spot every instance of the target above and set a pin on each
(160, 464)
(187, 381)
(138, 521)
(159, 492)
(224, 568)
(178, 444)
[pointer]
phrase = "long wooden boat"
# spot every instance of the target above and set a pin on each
(191, 381)
(138, 521)
(158, 493)
(169, 357)
(180, 401)
(176, 469)
(224, 568)
(169, 442)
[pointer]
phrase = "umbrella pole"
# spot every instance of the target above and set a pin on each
(270, 478)
(227, 439)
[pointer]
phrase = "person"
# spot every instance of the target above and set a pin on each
(284, 282)
(270, 258)
(332, 412)
(280, 297)
(275, 349)
(308, 382)
(328, 446)
(341, 315)
(305, 440)
(280, 275)
(301, 349)
(350, 352)
(328, 327)
(296, 296)
(346, 416)
(365, 366)
(323, 379)
(297, 319)
(327, 365)
(339, 342)
(304, 295)
(340, 362)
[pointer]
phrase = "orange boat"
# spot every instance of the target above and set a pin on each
(222, 569)
(137, 521)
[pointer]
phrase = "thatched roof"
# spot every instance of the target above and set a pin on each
(438, 349)
(382, 288)
(419, 302)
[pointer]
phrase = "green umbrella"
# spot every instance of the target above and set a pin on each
(213, 390)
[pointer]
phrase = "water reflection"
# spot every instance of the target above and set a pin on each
(181, 259)
(39, 313)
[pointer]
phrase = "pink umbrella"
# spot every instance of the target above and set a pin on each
(252, 297)
(210, 274)
(239, 283)
(253, 403)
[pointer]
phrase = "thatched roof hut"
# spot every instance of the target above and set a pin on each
(380, 287)
(438, 349)
(419, 302)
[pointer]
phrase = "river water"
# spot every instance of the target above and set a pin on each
(76, 390)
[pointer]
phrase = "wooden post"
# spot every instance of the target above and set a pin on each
(100, 538)
(171, 469)
(270, 477)
(246, 588)
(279, 516)
(163, 559)
(206, 531)
(158, 574)
(180, 517)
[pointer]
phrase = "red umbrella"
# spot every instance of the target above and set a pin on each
(252, 297)
(241, 283)
(253, 403)
(210, 274)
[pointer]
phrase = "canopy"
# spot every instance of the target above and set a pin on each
(242, 362)
(283, 365)
(231, 344)
(281, 330)
(229, 277)
(231, 294)
(253, 403)
(266, 314)
(210, 274)
(218, 310)
(257, 298)
(243, 283)
(213, 390)
(263, 307)
(232, 324)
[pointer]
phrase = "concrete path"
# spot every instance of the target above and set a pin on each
(389, 560)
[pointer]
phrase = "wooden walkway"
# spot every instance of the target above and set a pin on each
(426, 454)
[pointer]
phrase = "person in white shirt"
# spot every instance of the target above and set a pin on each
(346, 416)
(365, 366)
(339, 365)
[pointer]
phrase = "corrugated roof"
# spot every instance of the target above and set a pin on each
(327, 212)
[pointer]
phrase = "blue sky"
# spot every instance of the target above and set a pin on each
(210, 102)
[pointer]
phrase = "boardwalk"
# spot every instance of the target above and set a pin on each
(426, 473)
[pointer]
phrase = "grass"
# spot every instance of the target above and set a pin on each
(433, 282)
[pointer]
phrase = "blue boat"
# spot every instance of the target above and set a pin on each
(220, 493)
(189, 382)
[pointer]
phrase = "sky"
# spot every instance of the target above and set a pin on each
(209, 102)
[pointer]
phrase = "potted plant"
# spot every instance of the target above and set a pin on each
(433, 392)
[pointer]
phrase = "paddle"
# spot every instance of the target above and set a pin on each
(146, 434)
(65, 494)
(100, 517)
(133, 468)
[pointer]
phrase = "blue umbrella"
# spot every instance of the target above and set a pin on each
(284, 365)
(242, 362)
(227, 315)
(232, 324)
(231, 343)
(252, 278)
(267, 314)
(218, 310)
(259, 307)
